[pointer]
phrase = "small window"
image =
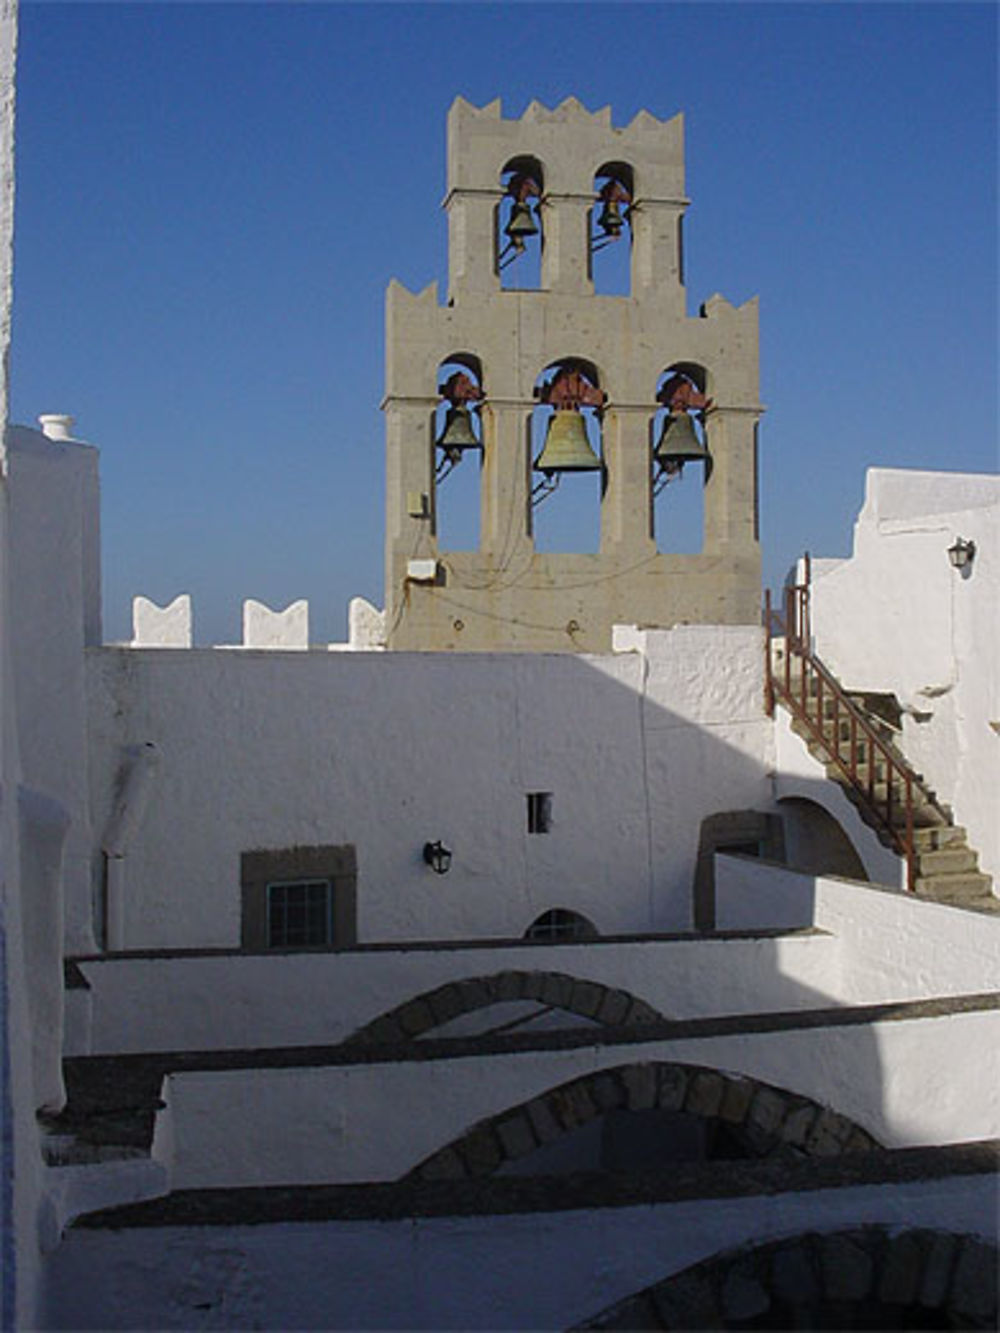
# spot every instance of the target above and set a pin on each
(539, 811)
(299, 914)
(298, 898)
(560, 924)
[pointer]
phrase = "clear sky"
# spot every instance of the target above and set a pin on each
(211, 199)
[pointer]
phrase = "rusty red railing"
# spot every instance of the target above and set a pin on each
(815, 698)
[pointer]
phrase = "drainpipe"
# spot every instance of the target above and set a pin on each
(134, 785)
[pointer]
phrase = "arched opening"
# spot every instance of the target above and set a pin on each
(559, 923)
(680, 462)
(816, 843)
(609, 228)
(567, 457)
(458, 449)
(635, 1118)
(863, 1277)
(519, 236)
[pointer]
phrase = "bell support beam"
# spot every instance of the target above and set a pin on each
(565, 254)
(731, 490)
(505, 529)
(472, 266)
(626, 510)
(656, 249)
(409, 484)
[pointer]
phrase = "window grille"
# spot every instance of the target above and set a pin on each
(299, 913)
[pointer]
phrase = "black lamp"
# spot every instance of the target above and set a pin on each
(438, 857)
(962, 553)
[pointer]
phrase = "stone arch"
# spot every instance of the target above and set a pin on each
(601, 1004)
(816, 842)
(678, 487)
(509, 252)
(457, 431)
(867, 1277)
(762, 1118)
(609, 229)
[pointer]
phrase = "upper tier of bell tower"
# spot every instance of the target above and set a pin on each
(568, 148)
(542, 391)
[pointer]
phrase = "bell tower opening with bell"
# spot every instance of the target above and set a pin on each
(537, 384)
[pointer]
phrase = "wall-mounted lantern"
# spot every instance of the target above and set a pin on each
(438, 857)
(962, 553)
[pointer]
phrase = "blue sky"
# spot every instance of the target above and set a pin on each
(211, 199)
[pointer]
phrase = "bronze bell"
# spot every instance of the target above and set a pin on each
(567, 448)
(678, 444)
(522, 223)
(611, 221)
(457, 433)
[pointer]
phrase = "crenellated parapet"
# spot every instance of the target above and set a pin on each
(170, 626)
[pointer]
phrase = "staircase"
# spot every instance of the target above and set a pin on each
(855, 746)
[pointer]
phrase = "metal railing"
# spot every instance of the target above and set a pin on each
(831, 719)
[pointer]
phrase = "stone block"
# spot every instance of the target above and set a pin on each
(793, 1275)
(767, 1111)
(533, 985)
(828, 1135)
(473, 994)
(640, 1084)
(445, 1165)
(480, 1152)
(859, 1141)
(556, 990)
(585, 998)
(687, 1302)
(704, 1094)
(938, 1265)
(543, 1122)
(516, 1136)
(614, 1008)
(416, 1017)
(510, 986)
(264, 628)
(161, 626)
(671, 1087)
(445, 1003)
(607, 1092)
(572, 1105)
(385, 1029)
(974, 1284)
(797, 1127)
(641, 1012)
(743, 1294)
(901, 1270)
(847, 1268)
(737, 1095)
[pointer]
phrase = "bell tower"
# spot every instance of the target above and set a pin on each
(629, 390)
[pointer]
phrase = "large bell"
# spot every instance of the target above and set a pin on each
(611, 221)
(567, 448)
(522, 223)
(457, 433)
(678, 444)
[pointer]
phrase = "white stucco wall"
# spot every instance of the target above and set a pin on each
(896, 617)
(233, 1001)
(388, 751)
(529, 1271)
(906, 1081)
(894, 946)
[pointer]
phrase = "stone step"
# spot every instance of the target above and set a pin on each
(68, 1150)
(947, 861)
(954, 888)
(933, 839)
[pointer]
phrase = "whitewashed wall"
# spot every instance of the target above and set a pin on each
(906, 1081)
(528, 1271)
(222, 1002)
(897, 617)
(894, 946)
(387, 751)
